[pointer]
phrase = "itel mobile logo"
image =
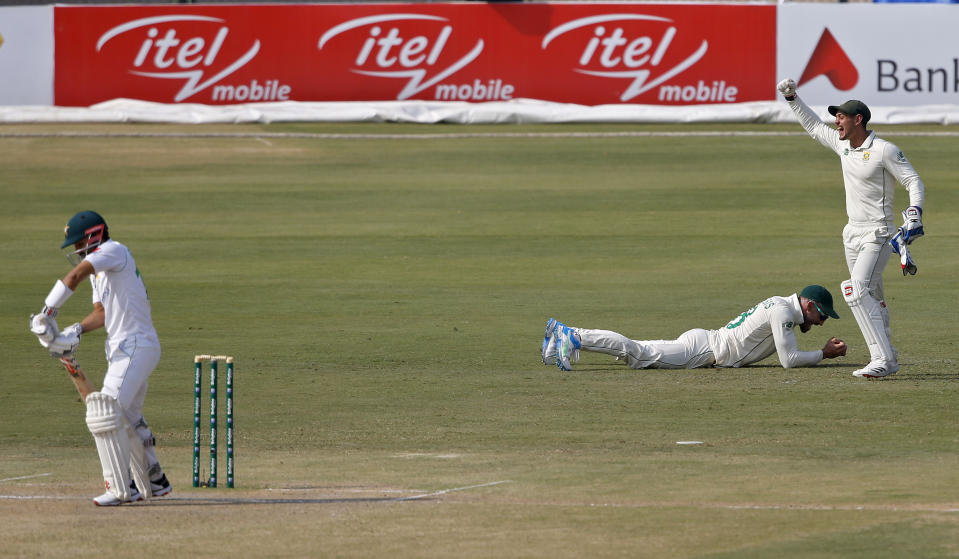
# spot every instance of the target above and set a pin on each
(386, 53)
(632, 58)
(173, 57)
(828, 59)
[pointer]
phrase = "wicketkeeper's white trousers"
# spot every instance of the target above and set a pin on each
(690, 351)
(867, 251)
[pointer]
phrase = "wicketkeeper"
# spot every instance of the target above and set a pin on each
(752, 336)
(131, 470)
(871, 167)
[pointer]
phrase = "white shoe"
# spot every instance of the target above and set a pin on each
(108, 499)
(877, 369)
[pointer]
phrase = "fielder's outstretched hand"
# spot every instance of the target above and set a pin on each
(834, 348)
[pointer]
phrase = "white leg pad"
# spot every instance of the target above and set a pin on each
(887, 322)
(141, 445)
(110, 430)
(870, 316)
(139, 465)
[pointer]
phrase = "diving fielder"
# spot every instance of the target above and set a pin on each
(131, 470)
(871, 167)
(752, 336)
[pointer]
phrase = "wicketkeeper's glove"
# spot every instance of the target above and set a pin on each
(788, 88)
(912, 224)
(906, 262)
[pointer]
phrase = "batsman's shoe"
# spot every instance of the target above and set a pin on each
(549, 343)
(567, 347)
(108, 499)
(877, 369)
(158, 487)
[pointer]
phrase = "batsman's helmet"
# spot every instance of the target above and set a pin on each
(85, 225)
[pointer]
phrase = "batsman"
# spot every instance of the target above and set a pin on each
(131, 470)
(871, 167)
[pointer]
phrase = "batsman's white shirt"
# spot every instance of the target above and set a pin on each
(118, 287)
(869, 172)
(761, 331)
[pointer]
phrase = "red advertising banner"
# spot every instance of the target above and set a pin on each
(591, 54)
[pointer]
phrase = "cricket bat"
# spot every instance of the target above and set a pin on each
(80, 380)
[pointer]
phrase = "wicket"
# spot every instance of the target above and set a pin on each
(197, 380)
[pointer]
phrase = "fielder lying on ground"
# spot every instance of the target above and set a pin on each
(752, 336)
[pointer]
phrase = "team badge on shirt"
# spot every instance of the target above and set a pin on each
(865, 156)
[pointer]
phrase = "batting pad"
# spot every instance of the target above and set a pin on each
(869, 315)
(111, 432)
(138, 463)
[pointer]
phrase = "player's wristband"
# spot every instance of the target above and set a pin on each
(789, 98)
(58, 295)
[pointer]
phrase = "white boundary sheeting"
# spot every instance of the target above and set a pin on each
(425, 112)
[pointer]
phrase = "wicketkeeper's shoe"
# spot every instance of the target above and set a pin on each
(549, 343)
(877, 369)
(567, 347)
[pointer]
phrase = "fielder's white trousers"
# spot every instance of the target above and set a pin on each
(690, 351)
(130, 363)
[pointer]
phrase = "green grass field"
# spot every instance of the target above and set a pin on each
(385, 299)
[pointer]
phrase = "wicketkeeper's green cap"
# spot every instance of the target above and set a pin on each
(821, 296)
(852, 107)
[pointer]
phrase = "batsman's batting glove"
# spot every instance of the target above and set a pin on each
(73, 330)
(44, 328)
(912, 224)
(788, 89)
(65, 344)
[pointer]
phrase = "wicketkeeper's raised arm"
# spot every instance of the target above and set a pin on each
(807, 118)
